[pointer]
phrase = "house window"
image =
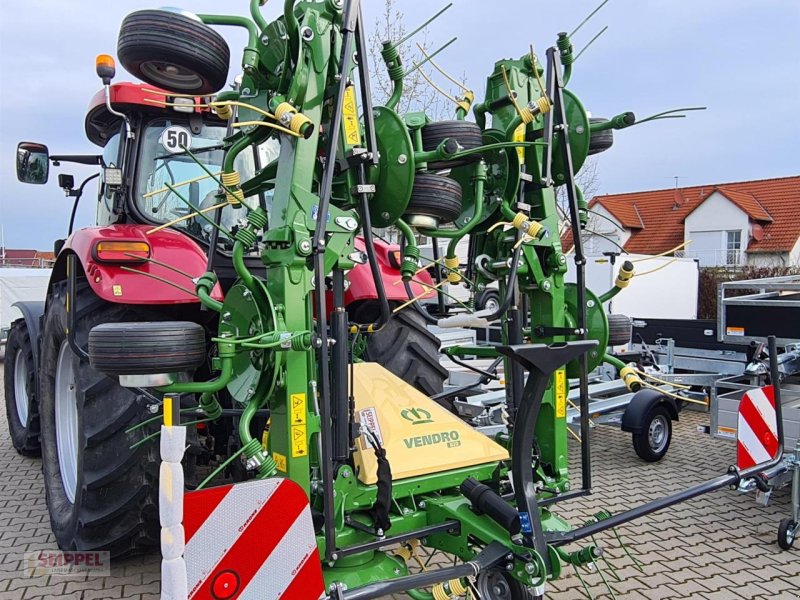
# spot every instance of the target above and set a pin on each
(734, 247)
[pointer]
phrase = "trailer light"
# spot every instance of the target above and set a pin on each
(184, 105)
(117, 252)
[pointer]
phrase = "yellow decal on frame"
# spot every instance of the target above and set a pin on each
(561, 393)
(352, 128)
(280, 462)
(298, 441)
(519, 136)
(298, 409)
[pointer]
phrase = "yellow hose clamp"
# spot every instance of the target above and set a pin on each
(625, 274)
(452, 263)
(231, 182)
(532, 228)
(224, 111)
(465, 101)
(630, 378)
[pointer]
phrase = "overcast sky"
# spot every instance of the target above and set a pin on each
(741, 58)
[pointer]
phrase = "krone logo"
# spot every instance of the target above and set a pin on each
(417, 416)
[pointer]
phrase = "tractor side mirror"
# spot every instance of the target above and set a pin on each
(33, 163)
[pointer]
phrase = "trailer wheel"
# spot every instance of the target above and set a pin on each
(467, 134)
(495, 584)
(101, 494)
(406, 348)
(22, 410)
(174, 51)
(652, 441)
(489, 300)
(787, 531)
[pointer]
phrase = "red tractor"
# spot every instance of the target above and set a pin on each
(138, 264)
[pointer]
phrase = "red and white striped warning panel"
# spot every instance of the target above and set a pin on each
(757, 435)
(252, 540)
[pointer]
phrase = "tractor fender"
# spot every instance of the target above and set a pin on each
(32, 311)
(641, 404)
(137, 282)
(362, 286)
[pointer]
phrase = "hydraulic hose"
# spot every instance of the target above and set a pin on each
(199, 387)
(372, 258)
(510, 283)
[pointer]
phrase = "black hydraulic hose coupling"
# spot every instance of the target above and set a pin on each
(485, 500)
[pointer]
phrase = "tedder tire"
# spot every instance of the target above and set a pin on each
(652, 441)
(600, 141)
(406, 348)
(435, 196)
(620, 330)
(467, 134)
(173, 51)
(101, 494)
(786, 533)
(496, 584)
(22, 410)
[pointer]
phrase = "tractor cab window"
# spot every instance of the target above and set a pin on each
(105, 209)
(163, 160)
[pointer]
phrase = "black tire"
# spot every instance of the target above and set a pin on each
(620, 330)
(173, 51)
(786, 533)
(406, 348)
(22, 409)
(115, 494)
(467, 134)
(652, 441)
(147, 348)
(488, 299)
(600, 141)
(435, 196)
(496, 584)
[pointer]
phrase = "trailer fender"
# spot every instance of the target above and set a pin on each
(32, 311)
(641, 404)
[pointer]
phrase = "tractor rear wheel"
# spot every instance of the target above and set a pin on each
(406, 348)
(174, 51)
(22, 410)
(101, 494)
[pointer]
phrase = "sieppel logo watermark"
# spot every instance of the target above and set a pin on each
(57, 562)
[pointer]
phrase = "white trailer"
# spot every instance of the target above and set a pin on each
(19, 284)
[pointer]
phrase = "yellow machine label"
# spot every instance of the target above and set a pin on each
(519, 136)
(280, 462)
(298, 409)
(352, 128)
(419, 436)
(117, 289)
(561, 394)
(298, 441)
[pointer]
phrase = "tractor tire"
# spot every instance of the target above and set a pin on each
(173, 51)
(22, 410)
(496, 584)
(147, 348)
(467, 134)
(435, 196)
(406, 348)
(620, 330)
(652, 441)
(101, 494)
(600, 141)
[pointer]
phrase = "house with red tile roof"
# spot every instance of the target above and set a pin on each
(726, 224)
(12, 257)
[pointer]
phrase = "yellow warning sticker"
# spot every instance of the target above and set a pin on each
(280, 462)
(299, 444)
(117, 290)
(519, 136)
(561, 394)
(352, 128)
(298, 409)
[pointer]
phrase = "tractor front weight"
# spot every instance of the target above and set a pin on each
(386, 470)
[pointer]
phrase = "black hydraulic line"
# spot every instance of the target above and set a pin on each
(421, 310)
(555, 81)
(339, 359)
(318, 248)
(372, 258)
(516, 375)
(486, 374)
(492, 369)
(366, 89)
(437, 276)
(489, 557)
(78, 195)
(511, 282)
(451, 526)
(214, 235)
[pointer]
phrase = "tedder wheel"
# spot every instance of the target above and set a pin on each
(600, 141)
(435, 199)
(467, 134)
(101, 494)
(406, 348)
(173, 50)
(22, 410)
(496, 584)
(620, 330)
(651, 442)
(787, 531)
